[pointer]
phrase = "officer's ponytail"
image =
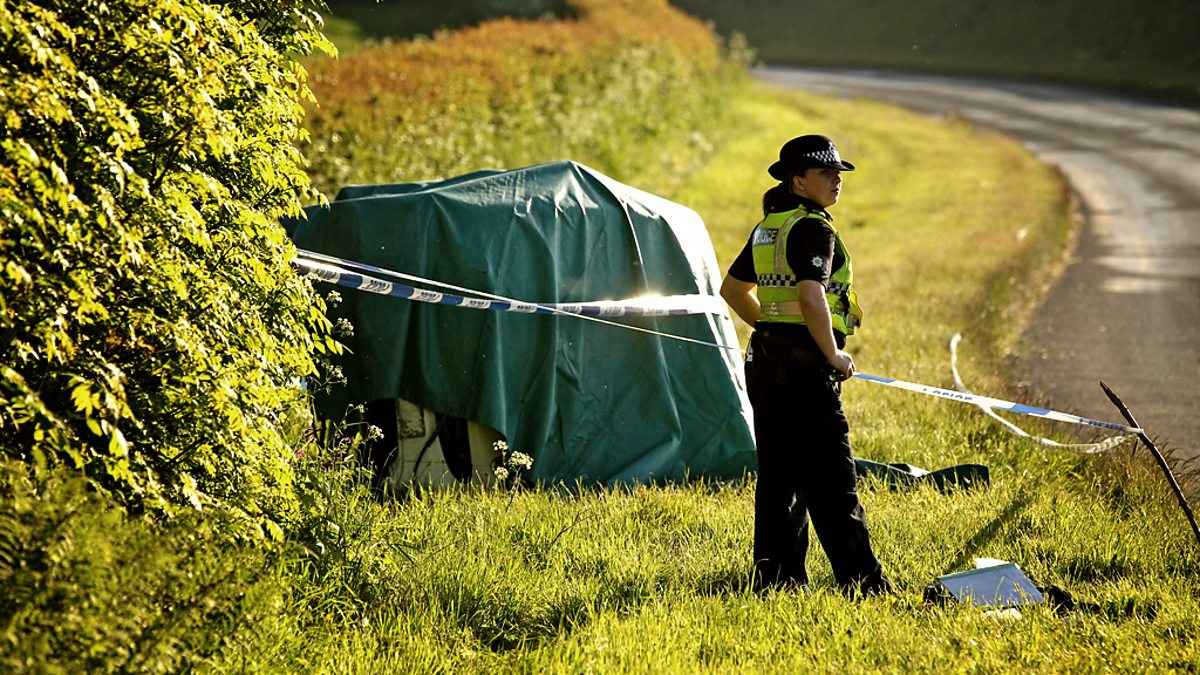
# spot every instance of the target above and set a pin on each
(780, 198)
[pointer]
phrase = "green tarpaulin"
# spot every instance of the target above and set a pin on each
(592, 402)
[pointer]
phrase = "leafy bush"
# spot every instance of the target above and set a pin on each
(85, 589)
(633, 89)
(151, 330)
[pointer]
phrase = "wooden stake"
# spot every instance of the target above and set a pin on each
(1162, 462)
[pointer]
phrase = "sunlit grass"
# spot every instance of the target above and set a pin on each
(940, 244)
(953, 230)
(656, 579)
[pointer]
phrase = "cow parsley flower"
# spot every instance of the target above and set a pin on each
(510, 464)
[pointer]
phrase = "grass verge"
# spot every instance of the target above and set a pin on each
(655, 578)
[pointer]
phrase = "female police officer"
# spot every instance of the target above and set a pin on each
(792, 282)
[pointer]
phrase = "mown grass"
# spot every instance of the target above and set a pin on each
(953, 229)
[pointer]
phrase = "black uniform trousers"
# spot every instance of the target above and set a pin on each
(805, 468)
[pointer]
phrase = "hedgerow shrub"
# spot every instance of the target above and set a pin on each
(151, 331)
(85, 589)
(631, 88)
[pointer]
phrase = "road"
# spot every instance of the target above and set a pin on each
(1127, 306)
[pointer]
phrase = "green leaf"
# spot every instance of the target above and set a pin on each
(117, 446)
(81, 395)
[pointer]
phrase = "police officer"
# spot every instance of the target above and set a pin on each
(793, 282)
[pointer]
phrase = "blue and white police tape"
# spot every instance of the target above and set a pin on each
(1090, 448)
(650, 306)
(996, 403)
(331, 269)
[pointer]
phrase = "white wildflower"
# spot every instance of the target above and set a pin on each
(501, 473)
(520, 459)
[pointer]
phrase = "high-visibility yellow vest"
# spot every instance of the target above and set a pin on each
(777, 283)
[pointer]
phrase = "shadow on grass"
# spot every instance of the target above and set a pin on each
(1087, 568)
(506, 622)
(1121, 609)
(726, 582)
(988, 532)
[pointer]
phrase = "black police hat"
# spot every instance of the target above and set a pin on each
(803, 152)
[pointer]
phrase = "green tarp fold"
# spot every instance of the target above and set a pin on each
(589, 402)
(903, 476)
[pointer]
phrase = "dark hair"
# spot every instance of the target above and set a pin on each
(780, 197)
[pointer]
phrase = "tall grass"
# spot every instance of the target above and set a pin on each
(952, 229)
(655, 579)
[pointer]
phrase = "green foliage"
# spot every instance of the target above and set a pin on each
(635, 90)
(136, 248)
(656, 578)
(151, 330)
(84, 589)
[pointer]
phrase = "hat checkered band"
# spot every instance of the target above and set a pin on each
(829, 156)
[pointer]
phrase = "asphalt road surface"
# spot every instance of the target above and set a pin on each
(1127, 307)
